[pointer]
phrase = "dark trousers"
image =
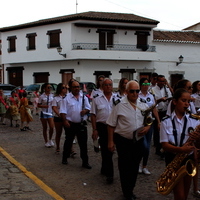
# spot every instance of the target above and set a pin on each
(81, 134)
(106, 155)
(129, 157)
(156, 134)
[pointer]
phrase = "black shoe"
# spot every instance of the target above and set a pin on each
(86, 166)
(109, 180)
(64, 162)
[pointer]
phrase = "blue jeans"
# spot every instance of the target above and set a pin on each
(147, 144)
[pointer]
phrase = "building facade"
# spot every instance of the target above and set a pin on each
(93, 43)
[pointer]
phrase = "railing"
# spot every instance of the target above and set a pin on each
(114, 47)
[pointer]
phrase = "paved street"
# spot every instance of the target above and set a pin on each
(68, 182)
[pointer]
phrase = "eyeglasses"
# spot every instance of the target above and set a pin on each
(75, 87)
(64, 87)
(49, 87)
(146, 84)
(132, 91)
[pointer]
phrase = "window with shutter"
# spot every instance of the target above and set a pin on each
(11, 43)
(31, 41)
(54, 38)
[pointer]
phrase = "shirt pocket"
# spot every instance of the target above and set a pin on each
(71, 106)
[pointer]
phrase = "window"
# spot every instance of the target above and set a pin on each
(127, 73)
(31, 41)
(0, 52)
(54, 38)
(142, 40)
(105, 38)
(12, 43)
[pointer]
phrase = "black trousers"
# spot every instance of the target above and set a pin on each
(106, 155)
(81, 133)
(129, 157)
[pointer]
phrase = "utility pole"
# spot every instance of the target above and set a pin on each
(76, 5)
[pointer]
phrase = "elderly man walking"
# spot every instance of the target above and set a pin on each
(126, 131)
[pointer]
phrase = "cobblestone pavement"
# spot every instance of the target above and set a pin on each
(71, 181)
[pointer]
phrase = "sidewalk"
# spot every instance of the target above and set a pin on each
(14, 184)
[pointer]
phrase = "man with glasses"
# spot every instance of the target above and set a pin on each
(162, 95)
(101, 108)
(73, 111)
(126, 131)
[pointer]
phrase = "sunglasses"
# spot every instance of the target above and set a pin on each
(132, 91)
(49, 87)
(64, 87)
(146, 84)
(189, 88)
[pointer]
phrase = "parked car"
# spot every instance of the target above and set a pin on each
(87, 87)
(31, 88)
(7, 89)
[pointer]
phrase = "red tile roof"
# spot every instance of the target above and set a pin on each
(177, 36)
(94, 16)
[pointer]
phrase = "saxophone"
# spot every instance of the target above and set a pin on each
(148, 120)
(174, 171)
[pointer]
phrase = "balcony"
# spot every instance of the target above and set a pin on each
(115, 47)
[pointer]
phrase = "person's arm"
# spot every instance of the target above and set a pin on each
(94, 128)
(111, 145)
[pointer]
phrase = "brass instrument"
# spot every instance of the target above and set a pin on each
(174, 171)
(193, 115)
(148, 120)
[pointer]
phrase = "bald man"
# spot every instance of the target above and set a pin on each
(125, 119)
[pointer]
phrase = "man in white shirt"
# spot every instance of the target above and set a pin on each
(101, 108)
(73, 111)
(162, 95)
(125, 119)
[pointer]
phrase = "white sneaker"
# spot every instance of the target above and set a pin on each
(140, 169)
(51, 143)
(146, 171)
(47, 145)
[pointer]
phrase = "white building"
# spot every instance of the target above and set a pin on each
(114, 44)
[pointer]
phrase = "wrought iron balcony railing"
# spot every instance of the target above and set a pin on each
(114, 47)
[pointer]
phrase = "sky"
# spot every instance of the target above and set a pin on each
(172, 14)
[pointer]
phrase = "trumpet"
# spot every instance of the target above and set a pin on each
(193, 115)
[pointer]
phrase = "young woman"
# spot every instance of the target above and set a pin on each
(99, 90)
(174, 133)
(61, 92)
(148, 98)
(25, 112)
(122, 87)
(46, 115)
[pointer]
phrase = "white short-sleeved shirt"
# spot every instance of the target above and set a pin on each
(166, 128)
(57, 101)
(101, 107)
(160, 93)
(148, 98)
(72, 107)
(96, 92)
(46, 100)
(197, 100)
(125, 118)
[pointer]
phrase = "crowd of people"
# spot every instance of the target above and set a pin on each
(124, 120)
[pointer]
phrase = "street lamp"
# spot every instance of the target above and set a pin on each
(180, 60)
(59, 50)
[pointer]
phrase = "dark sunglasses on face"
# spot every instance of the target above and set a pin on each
(132, 91)
(64, 87)
(49, 87)
(146, 84)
